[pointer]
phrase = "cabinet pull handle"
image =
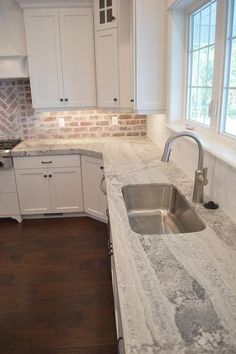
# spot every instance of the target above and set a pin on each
(103, 189)
(46, 162)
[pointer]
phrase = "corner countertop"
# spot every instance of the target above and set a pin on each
(177, 292)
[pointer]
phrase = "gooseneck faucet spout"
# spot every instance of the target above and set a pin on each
(200, 173)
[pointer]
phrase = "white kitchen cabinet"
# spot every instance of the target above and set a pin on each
(33, 191)
(66, 190)
(149, 47)
(95, 202)
(49, 188)
(105, 14)
(60, 45)
(107, 68)
(137, 47)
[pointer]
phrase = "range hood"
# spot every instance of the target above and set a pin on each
(13, 56)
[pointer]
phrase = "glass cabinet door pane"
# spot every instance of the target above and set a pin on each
(109, 15)
(101, 4)
(102, 17)
(109, 3)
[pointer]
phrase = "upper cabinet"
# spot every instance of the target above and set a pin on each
(105, 14)
(60, 46)
(149, 29)
(130, 54)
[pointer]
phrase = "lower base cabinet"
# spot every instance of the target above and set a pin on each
(49, 189)
(61, 184)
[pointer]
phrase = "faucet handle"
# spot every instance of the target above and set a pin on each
(204, 175)
(201, 176)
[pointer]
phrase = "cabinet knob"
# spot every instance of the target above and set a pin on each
(66, 99)
(101, 168)
(61, 100)
(45, 176)
(115, 100)
(113, 18)
(50, 176)
(132, 100)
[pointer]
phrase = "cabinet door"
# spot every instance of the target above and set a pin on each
(66, 190)
(107, 68)
(105, 14)
(44, 55)
(149, 31)
(33, 191)
(78, 58)
(95, 202)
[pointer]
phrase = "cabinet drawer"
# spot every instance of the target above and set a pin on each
(46, 161)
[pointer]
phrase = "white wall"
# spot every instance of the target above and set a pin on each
(222, 177)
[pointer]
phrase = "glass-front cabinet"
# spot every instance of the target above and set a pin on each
(105, 14)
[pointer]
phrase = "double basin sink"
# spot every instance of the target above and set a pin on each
(159, 209)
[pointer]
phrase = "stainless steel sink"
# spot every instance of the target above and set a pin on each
(159, 209)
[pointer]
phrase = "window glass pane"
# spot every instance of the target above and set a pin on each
(213, 23)
(232, 81)
(230, 123)
(205, 26)
(196, 30)
(229, 99)
(234, 22)
(201, 62)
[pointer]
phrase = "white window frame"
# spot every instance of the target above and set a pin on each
(214, 131)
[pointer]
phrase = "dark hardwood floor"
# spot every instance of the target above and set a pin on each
(55, 288)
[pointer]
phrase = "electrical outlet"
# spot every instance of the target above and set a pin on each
(61, 122)
(114, 120)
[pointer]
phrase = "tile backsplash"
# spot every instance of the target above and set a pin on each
(19, 119)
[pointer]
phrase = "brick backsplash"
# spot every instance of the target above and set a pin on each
(19, 119)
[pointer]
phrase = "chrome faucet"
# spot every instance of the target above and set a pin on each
(200, 173)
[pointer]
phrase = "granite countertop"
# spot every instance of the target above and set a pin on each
(177, 292)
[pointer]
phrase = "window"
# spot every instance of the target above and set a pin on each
(229, 100)
(201, 62)
(211, 83)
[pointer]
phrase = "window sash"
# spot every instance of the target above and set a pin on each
(195, 105)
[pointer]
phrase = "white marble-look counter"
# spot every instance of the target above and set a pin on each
(177, 292)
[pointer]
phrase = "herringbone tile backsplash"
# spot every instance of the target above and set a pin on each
(19, 119)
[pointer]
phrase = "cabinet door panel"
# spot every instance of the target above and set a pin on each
(95, 202)
(77, 43)
(107, 68)
(150, 59)
(66, 190)
(33, 191)
(43, 45)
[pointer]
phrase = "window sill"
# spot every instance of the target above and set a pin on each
(214, 148)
